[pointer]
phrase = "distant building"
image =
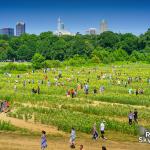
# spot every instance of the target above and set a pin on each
(91, 31)
(61, 28)
(20, 28)
(103, 26)
(7, 31)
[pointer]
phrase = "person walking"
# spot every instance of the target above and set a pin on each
(38, 90)
(72, 138)
(135, 115)
(102, 129)
(43, 141)
(130, 116)
(94, 132)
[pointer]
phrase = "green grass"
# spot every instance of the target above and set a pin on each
(52, 106)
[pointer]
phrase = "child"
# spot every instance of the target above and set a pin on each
(94, 132)
(43, 141)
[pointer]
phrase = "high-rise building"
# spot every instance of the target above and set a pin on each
(91, 31)
(61, 28)
(60, 25)
(7, 31)
(103, 26)
(20, 28)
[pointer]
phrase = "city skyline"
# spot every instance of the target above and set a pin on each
(41, 16)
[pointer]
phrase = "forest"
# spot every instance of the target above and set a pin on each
(105, 48)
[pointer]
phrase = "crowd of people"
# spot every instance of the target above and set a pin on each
(136, 91)
(112, 79)
(44, 144)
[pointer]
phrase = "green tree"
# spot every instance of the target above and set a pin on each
(108, 39)
(37, 61)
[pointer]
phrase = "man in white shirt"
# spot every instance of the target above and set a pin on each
(102, 129)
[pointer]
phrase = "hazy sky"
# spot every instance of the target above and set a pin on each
(77, 15)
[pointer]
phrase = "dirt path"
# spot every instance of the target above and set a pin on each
(19, 142)
(57, 140)
(31, 126)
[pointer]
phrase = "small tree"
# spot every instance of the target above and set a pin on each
(37, 61)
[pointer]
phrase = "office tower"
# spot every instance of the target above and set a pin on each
(103, 26)
(7, 31)
(61, 28)
(91, 31)
(20, 28)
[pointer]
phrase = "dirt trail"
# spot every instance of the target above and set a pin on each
(98, 102)
(31, 126)
(20, 142)
(57, 140)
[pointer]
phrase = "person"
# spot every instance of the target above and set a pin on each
(130, 91)
(72, 138)
(141, 91)
(102, 129)
(81, 147)
(79, 87)
(72, 93)
(34, 91)
(137, 92)
(95, 90)
(130, 116)
(104, 148)
(135, 114)
(86, 89)
(43, 141)
(102, 89)
(75, 92)
(38, 90)
(68, 93)
(94, 132)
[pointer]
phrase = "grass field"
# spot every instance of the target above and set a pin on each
(52, 106)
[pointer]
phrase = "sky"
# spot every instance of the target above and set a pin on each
(78, 15)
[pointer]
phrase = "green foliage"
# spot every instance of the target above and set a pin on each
(6, 126)
(51, 64)
(76, 61)
(95, 59)
(53, 107)
(105, 48)
(37, 61)
(15, 67)
(108, 39)
(120, 55)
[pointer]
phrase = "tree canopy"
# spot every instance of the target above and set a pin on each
(106, 47)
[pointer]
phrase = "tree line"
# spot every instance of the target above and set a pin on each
(104, 48)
